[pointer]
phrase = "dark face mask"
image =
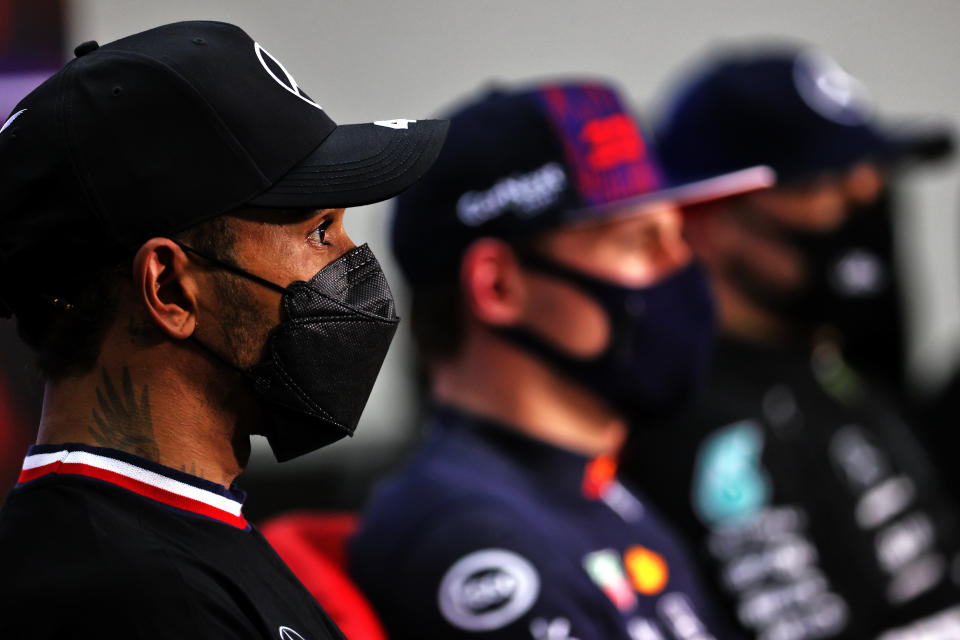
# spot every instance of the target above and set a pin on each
(660, 341)
(321, 361)
(851, 286)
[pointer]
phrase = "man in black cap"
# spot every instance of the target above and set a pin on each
(173, 249)
(810, 500)
(553, 295)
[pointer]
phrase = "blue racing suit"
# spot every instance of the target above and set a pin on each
(487, 533)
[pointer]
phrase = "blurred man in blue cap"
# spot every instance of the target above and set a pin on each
(553, 295)
(811, 500)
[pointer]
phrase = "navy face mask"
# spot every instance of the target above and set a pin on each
(660, 341)
(322, 360)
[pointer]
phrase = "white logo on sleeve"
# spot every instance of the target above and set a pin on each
(286, 633)
(288, 82)
(399, 123)
(10, 120)
(488, 589)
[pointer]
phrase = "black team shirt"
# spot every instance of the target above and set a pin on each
(809, 501)
(98, 543)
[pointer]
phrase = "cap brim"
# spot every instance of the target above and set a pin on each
(688, 193)
(919, 143)
(723, 186)
(359, 164)
(892, 147)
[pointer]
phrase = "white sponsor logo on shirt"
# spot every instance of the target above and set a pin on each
(286, 633)
(488, 589)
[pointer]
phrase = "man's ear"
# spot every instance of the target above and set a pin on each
(166, 288)
(492, 282)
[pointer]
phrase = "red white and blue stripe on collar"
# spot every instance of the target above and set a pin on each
(156, 482)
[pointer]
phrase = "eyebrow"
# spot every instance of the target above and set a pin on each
(303, 214)
(298, 215)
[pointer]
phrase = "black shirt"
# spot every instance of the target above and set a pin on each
(808, 499)
(98, 543)
(489, 534)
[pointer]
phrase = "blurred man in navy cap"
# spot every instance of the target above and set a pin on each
(553, 295)
(802, 114)
(809, 497)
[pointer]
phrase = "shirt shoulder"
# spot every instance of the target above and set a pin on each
(451, 469)
(79, 550)
(437, 493)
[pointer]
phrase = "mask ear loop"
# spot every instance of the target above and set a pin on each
(235, 270)
(216, 356)
(226, 266)
(538, 263)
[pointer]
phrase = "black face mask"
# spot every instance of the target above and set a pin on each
(660, 340)
(322, 360)
(851, 286)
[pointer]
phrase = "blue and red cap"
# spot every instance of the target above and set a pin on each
(519, 162)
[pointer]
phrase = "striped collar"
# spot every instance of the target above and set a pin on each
(154, 481)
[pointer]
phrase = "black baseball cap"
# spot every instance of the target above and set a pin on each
(792, 108)
(522, 160)
(156, 132)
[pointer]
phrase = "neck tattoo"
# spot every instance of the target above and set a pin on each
(122, 418)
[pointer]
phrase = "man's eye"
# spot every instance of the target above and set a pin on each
(320, 233)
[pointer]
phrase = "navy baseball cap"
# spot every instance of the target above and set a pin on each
(793, 109)
(517, 162)
(159, 131)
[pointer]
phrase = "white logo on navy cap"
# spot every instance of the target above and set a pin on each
(488, 589)
(829, 90)
(10, 120)
(290, 84)
(528, 194)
